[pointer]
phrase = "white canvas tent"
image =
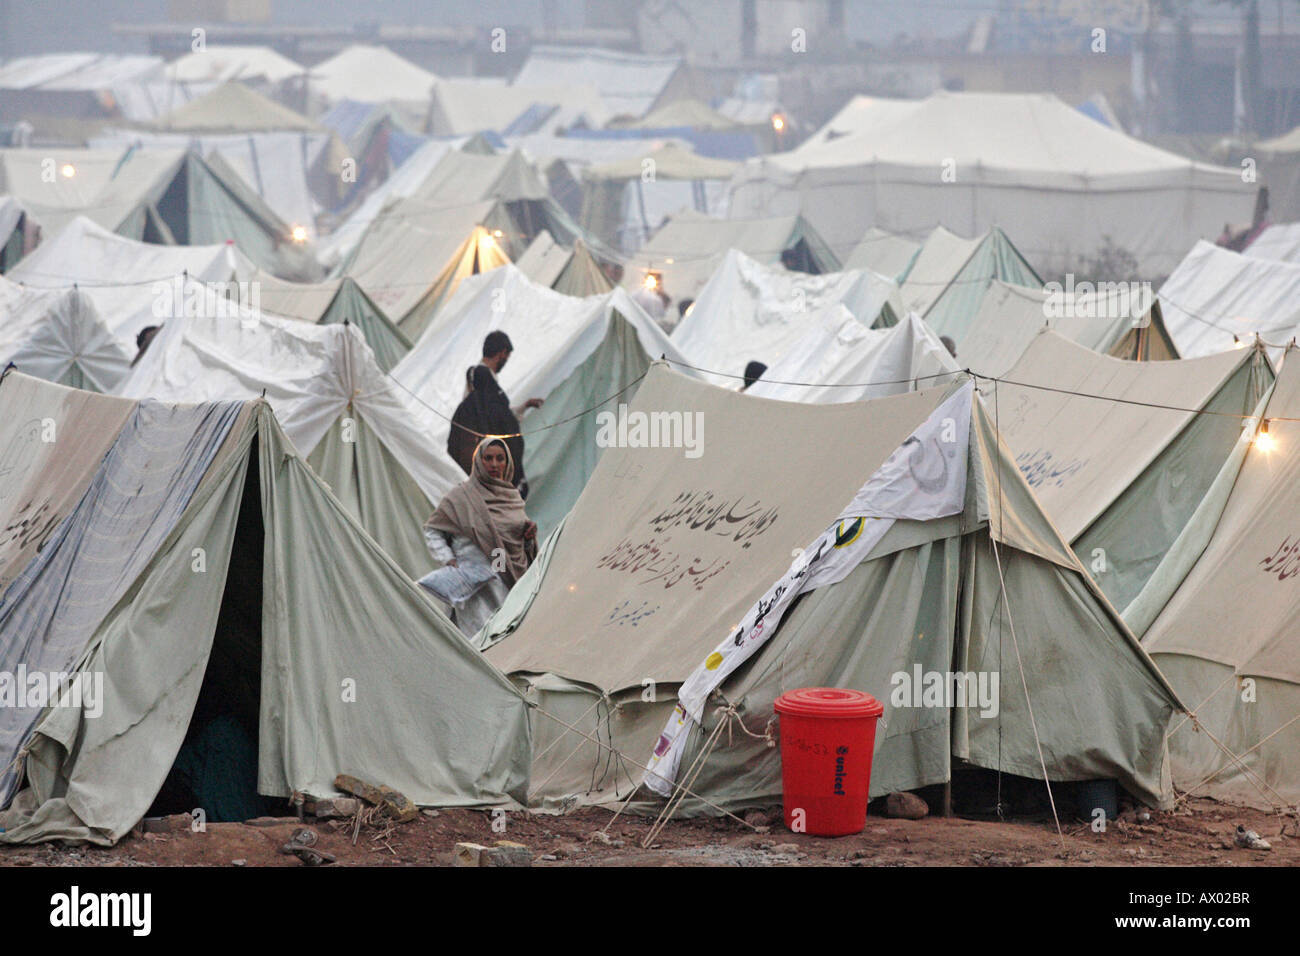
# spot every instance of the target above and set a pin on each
(1280, 242)
(288, 579)
(749, 310)
(688, 249)
(664, 553)
(1217, 299)
(1059, 182)
(219, 64)
(1121, 453)
(630, 84)
(461, 107)
(623, 207)
(1220, 619)
(340, 244)
(361, 432)
(371, 74)
(59, 335)
(883, 252)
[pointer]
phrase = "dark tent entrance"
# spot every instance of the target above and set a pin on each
(216, 768)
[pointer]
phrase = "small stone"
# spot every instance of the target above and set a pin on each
(765, 846)
(548, 857)
(906, 806)
(786, 848)
(467, 854)
(238, 862)
(599, 836)
(506, 853)
(860, 854)
(429, 812)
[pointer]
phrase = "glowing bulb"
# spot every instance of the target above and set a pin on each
(1263, 440)
(1238, 343)
(299, 234)
(68, 170)
(497, 233)
(778, 122)
(651, 281)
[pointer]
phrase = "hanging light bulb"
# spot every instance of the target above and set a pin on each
(1264, 441)
(1237, 343)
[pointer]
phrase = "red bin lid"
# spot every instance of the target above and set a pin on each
(828, 702)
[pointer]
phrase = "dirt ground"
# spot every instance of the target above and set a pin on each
(1200, 834)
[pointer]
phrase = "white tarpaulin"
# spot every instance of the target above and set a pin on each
(752, 311)
(847, 362)
(1216, 296)
(58, 335)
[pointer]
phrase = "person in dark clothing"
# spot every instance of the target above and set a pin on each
(486, 410)
(753, 372)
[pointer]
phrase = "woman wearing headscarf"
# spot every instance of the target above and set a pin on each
(483, 538)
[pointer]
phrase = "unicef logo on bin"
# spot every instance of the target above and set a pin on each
(840, 754)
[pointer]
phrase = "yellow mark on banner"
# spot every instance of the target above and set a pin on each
(846, 536)
(713, 660)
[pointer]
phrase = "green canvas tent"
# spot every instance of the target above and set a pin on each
(197, 572)
(949, 275)
(1121, 319)
(1120, 453)
(917, 546)
(207, 201)
(1221, 618)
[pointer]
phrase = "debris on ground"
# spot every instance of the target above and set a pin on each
(1250, 840)
(397, 804)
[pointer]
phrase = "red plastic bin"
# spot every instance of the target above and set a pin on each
(827, 738)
